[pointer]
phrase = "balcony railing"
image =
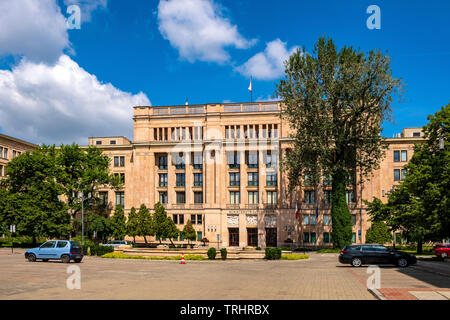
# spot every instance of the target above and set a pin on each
(198, 183)
(196, 206)
(270, 205)
(162, 167)
(179, 166)
(252, 206)
(253, 183)
(178, 206)
(198, 166)
(233, 206)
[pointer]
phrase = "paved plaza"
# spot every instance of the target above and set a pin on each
(320, 277)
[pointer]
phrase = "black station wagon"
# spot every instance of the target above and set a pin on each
(357, 255)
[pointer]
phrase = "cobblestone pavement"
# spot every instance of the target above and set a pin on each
(320, 277)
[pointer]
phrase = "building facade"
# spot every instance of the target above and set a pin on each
(218, 166)
(10, 148)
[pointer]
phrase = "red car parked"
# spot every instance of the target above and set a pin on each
(442, 250)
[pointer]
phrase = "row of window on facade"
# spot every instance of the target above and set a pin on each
(400, 155)
(181, 238)
(310, 237)
(4, 153)
(195, 218)
(251, 131)
(311, 219)
(178, 133)
(99, 142)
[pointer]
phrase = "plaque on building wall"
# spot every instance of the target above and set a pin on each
(252, 219)
(233, 220)
(270, 220)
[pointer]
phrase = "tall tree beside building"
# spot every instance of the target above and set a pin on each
(172, 230)
(335, 103)
(132, 224)
(29, 196)
(83, 170)
(145, 223)
(164, 226)
(118, 224)
(189, 231)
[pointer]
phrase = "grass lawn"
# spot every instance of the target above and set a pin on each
(117, 255)
(294, 256)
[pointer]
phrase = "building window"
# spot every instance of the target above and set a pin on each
(199, 235)
(181, 236)
(271, 179)
(253, 197)
(310, 197)
(396, 174)
(233, 160)
(313, 237)
(198, 161)
(5, 153)
(306, 237)
(193, 216)
(326, 237)
(162, 163)
(181, 197)
(271, 160)
(235, 197)
(350, 196)
(404, 155)
(163, 197)
(103, 198)
(327, 180)
(327, 196)
(198, 179)
(235, 179)
(308, 180)
(163, 180)
(312, 220)
(98, 142)
(272, 197)
(180, 218)
(120, 198)
(353, 219)
(175, 218)
(121, 177)
(198, 197)
(326, 219)
(396, 156)
(179, 161)
(14, 154)
(253, 178)
(181, 179)
(252, 160)
(416, 134)
(353, 237)
(112, 142)
(306, 220)
(404, 171)
(199, 219)
(119, 161)
(1, 152)
(1, 171)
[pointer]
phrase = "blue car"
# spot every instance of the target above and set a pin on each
(63, 250)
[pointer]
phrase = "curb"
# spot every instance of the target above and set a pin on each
(377, 294)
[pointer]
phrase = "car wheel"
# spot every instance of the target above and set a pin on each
(65, 259)
(402, 262)
(45, 260)
(31, 257)
(356, 262)
(444, 255)
(77, 260)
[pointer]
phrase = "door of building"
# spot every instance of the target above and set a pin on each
(252, 237)
(271, 237)
(234, 237)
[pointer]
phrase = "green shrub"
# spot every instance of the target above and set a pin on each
(21, 242)
(294, 256)
(119, 255)
(258, 248)
(273, 253)
(223, 253)
(328, 250)
(97, 250)
(286, 249)
(211, 253)
(87, 241)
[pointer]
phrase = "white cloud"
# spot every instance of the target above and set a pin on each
(197, 29)
(269, 64)
(62, 103)
(87, 7)
(33, 28)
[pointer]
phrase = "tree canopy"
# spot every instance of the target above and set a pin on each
(335, 102)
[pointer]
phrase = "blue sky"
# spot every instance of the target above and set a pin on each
(133, 51)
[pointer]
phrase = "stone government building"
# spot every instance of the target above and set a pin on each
(218, 166)
(10, 148)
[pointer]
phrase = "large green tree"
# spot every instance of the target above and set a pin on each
(132, 224)
(100, 226)
(420, 204)
(145, 223)
(335, 102)
(29, 196)
(118, 223)
(164, 226)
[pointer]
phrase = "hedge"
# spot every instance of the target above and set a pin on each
(223, 253)
(211, 253)
(273, 254)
